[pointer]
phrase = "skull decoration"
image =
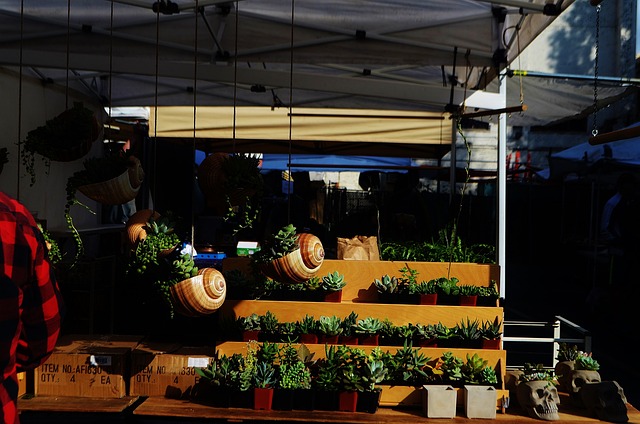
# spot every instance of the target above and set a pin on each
(580, 378)
(605, 400)
(539, 398)
(563, 372)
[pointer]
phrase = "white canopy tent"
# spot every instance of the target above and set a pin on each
(429, 56)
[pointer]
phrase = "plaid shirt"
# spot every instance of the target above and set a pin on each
(30, 301)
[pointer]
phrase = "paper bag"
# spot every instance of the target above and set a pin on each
(359, 248)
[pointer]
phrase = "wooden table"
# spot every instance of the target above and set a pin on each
(67, 410)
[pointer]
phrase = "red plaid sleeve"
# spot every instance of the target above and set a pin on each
(30, 301)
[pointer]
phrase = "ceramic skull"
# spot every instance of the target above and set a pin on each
(581, 377)
(563, 372)
(540, 399)
(605, 400)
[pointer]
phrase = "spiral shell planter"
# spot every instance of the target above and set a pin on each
(200, 295)
(299, 265)
(136, 223)
(118, 190)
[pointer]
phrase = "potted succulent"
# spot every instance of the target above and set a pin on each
(491, 332)
(468, 294)
(269, 326)
(332, 285)
(264, 381)
(488, 296)
(307, 329)
(445, 336)
(407, 366)
(249, 327)
(405, 333)
(426, 335)
(387, 288)
(215, 382)
(326, 382)
(426, 292)
(294, 378)
(348, 336)
(329, 329)
(447, 290)
(289, 257)
(64, 138)
(367, 330)
(373, 373)
(468, 334)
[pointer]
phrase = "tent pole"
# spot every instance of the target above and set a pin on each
(502, 187)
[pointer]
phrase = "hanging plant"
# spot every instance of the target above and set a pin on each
(65, 138)
(234, 181)
(112, 180)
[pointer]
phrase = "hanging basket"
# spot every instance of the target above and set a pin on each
(118, 190)
(200, 295)
(298, 266)
(135, 226)
(67, 137)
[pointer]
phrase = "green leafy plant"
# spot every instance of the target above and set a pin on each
(67, 131)
(277, 245)
(386, 284)
(477, 371)
(448, 247)
(54, 254)
(468, 330)
(348, 324)
(468, 290)
(307, 325)
(269, 324)
(173, 271)
(243, 187)
(333, 282)
(567, 353)
(491, 329)
(408, 366)
(293, 371)
(264, 376)
(330, 325)
(249, 323)
(535, 372)
(586, 362)
(327, 377)
(491, 291)
(447, 286)
(368, 326)
(423, 287)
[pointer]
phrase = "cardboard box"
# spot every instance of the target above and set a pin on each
(167, 369)
(87, 366)
(247, 248)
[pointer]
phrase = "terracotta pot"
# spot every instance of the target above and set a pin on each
(428, 299)
(262, 398)
(248, 335)
(308, 338)
(347, 401)
(491, 344)
(368, 340)
(298, 266)
(200, 295)
(334, 296)
(468, 300)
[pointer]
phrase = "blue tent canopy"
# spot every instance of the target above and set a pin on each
(300, 162)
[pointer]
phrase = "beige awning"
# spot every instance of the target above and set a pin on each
(338, 131)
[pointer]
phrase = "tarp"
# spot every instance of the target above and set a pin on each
(342, 132)
(585, 158)
(272, 162)
(371, 54)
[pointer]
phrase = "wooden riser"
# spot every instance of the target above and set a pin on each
(398, 314)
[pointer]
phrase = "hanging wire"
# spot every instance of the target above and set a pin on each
(594, 131)
(155, 108)
(110, 60)
(193, 140)
(20, 100)
(288, 184)
(235, 80)
(66, 89)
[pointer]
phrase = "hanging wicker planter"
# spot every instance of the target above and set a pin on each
(118, 190)
(200, 295)
(298, 266)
